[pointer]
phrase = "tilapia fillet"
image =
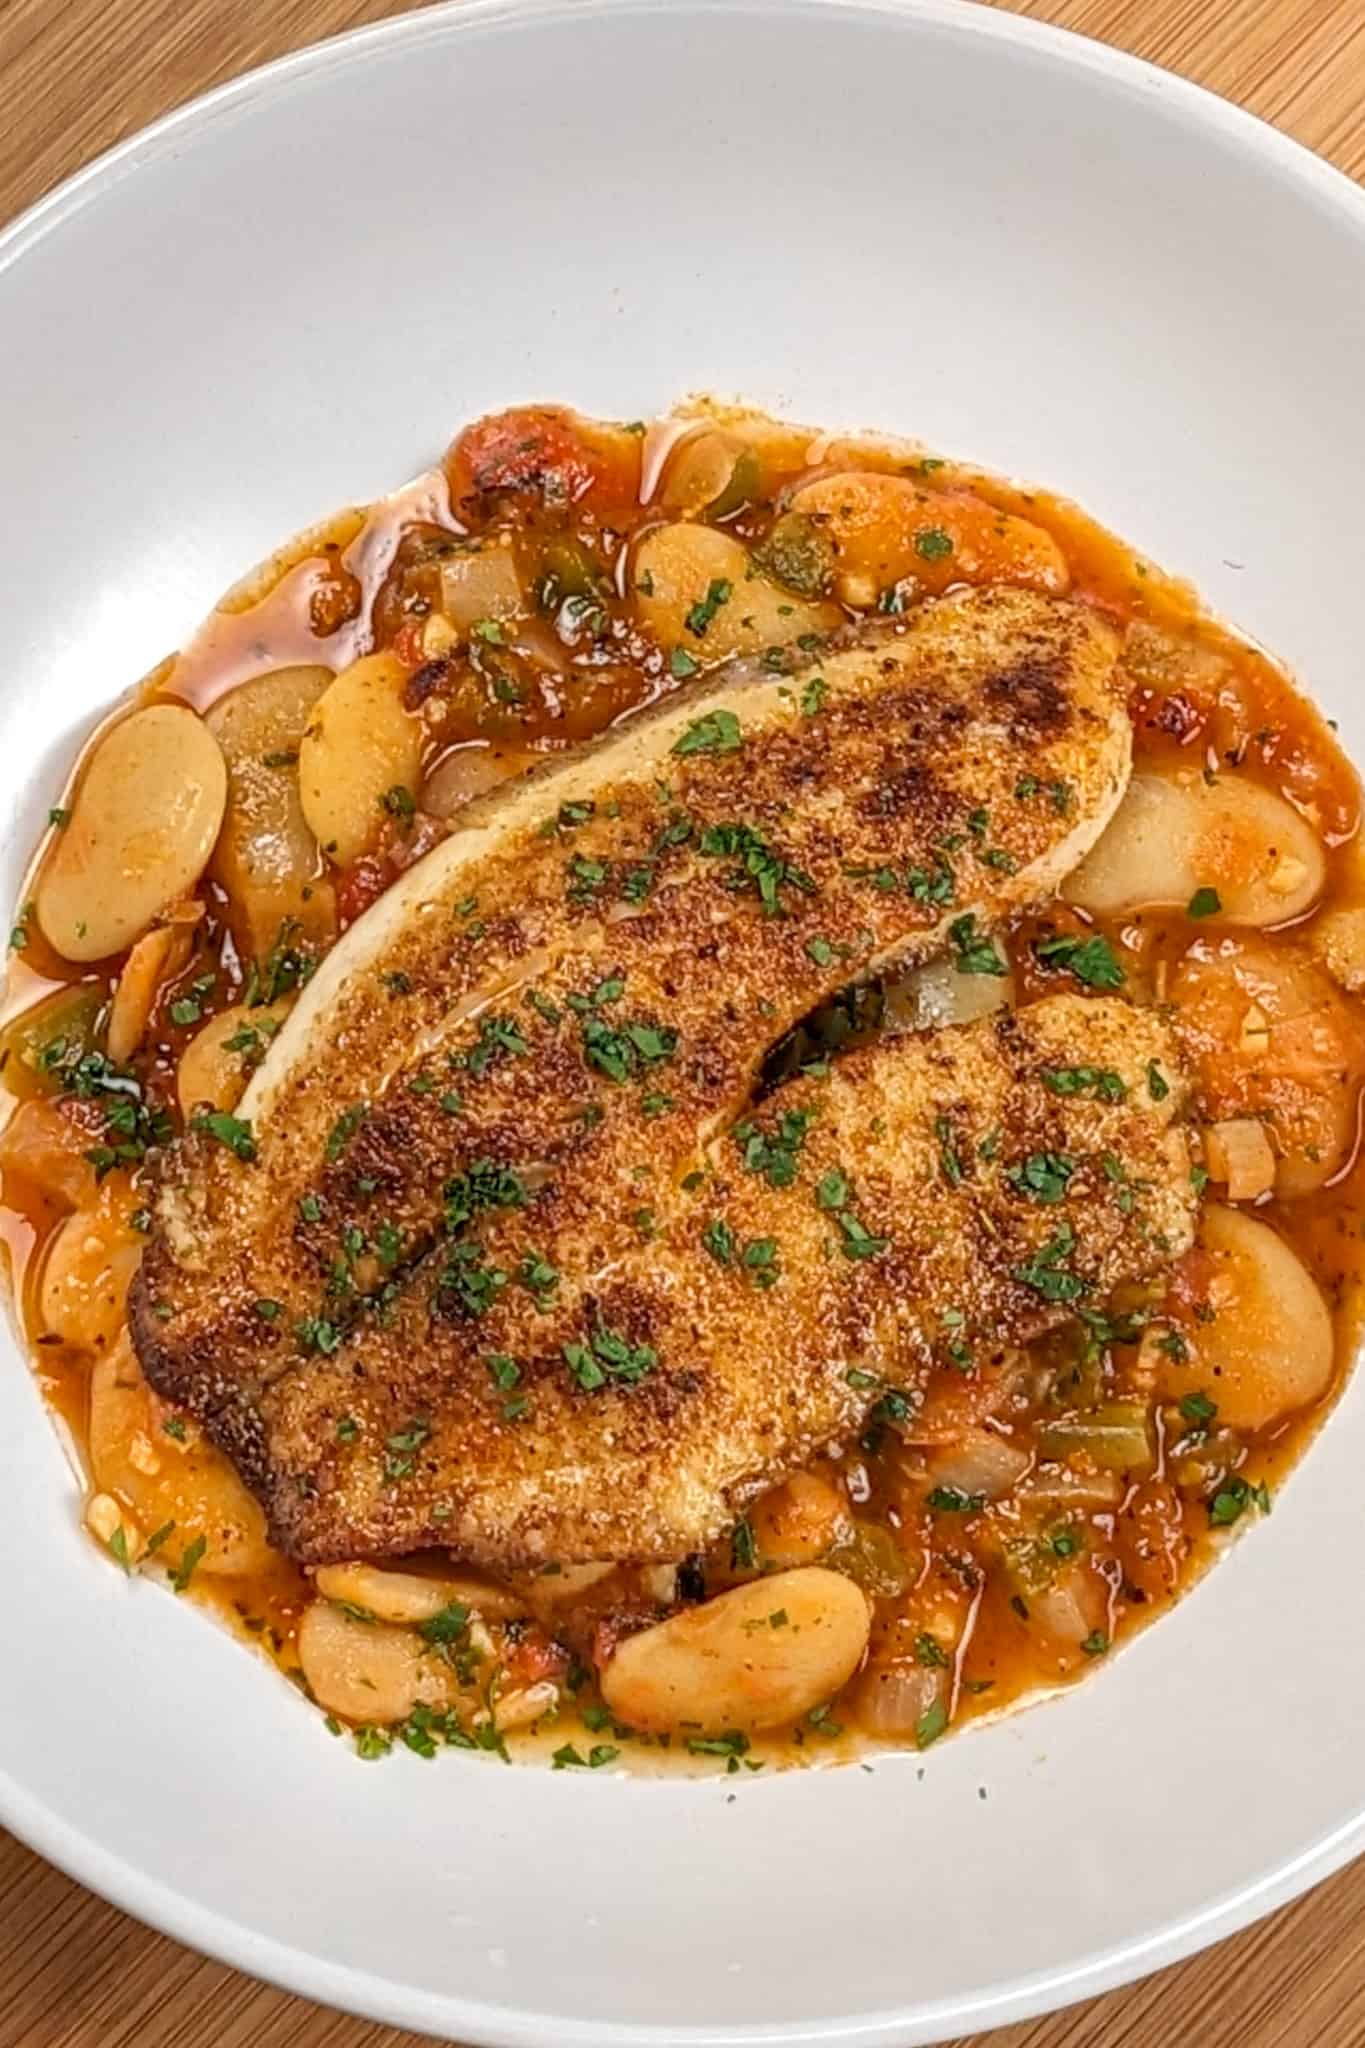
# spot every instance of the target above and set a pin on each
(925, 1202)
(580, 986)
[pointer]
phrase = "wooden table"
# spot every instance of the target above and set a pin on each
(75, 76)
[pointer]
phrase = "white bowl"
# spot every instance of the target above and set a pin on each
(934, 219)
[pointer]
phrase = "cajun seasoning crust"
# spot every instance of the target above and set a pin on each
(730, 877)
(632, 1413)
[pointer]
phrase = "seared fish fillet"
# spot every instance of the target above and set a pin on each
(581, 984)
(929, 1200)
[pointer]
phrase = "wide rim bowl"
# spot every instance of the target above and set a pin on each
(679, 1913)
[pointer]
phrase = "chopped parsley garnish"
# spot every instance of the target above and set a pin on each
(288, 965)
(718, 592)
(250, 1041)
(347, 1429)
(760, 1259)
(1093, 961)
(1233, 1499)
(1158, 1087)
(468, 1283)
(398, 802)
(608, 1355)
(1204, 903)
(681, 664)
(734, 1744)
(344, 1129)
(268, 1310)
(1042, 1177)
(930, 1653)
(1045, 1272)
(484, 1185)
(832, 1190)
(539, 1278)
(974, 952)
(400, 1450)
(1060, 792)
(1096, 1643)
(620, 1051)
(566, 1757)
(951, 1500)
(931, 1725)
(498, 1037)
(131, 1124)
(950, 1165)
(937, 886)
(316, 1333)
(587, 878)
(757, 865)
(858, 1242)
(814, 696)
(719, 1240)
(774, 1154)
(1198, 1409)
(743, 1546)
(717, 733)
(191, 1557)
(232, 1131)
(932, 544)
(1101, 1082)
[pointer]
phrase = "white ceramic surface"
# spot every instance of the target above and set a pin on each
(932, 219)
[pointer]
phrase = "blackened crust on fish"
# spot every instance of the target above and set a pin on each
(718, 895)
(747, 1381)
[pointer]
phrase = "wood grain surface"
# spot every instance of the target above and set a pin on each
(77, 75)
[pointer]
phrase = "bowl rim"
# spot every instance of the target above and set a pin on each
(362, 1992)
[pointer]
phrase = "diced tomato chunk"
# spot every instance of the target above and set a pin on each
(362, 885)
(532, 448)
(535, 1656)
(407, 644)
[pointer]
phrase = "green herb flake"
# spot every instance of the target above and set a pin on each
(343, 1130)
(1042, 1177)
(1101, 1082)
(232, 1131)
(1092, 961)
(931, 1724)
(951, 1500)
(1233, 1499)
(190, 1560)
(1046, 1274)
(718, 592)
(932, 544)
(974, 953)
(1204, 903)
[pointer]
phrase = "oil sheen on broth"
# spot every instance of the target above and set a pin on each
(323, 731)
